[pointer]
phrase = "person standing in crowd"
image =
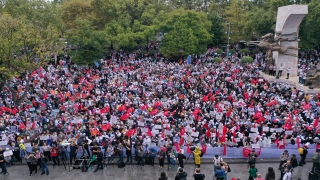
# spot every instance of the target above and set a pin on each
(172, 155)
(99, 160)
(197, 175)
(287, 174)
(3, 164)
(288, 72)
(44, 164)
(286, 165)
(316, 161)
(197, 158)
(139, 154)
(181, 157)
(294, 161)
(55, 155)
(303, 155)
(128, 147)
(259, 177)
(216, 161)
(270, 175)
(162, 156)
(283, 158)
(280, 70)
(252, 158)
(46, 150)
(274, 70)
(16, 151)
(73, 151)
(152, 154)
(110, 152)
(32, 163)
(226, 168)
(270, 69)
(220, 173)
(181, 175)
(163, 176)
(120, 152)
(252, 172)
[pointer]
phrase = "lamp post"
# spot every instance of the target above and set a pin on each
(228, 39)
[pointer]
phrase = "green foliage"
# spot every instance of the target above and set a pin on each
(90, 44)
(219, 51)
(216, 29)
(185, 30)
(215, 60)
(244, 51)
(232, 51)
(247, 59)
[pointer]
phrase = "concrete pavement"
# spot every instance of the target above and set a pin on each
(130, 172)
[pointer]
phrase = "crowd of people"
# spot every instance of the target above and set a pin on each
(131, 101)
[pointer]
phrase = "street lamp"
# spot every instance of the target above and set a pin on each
(228, 39)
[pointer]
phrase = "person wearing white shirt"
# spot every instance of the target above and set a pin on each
(288, 72)
(287, 175)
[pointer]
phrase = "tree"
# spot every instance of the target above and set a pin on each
(76, 9)
(24, 48)
(185, 30)
(216, 29)
(90, 44)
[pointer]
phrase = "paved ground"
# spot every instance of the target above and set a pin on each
(238, 169)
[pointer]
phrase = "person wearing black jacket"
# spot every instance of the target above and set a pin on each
(128, 151)
(303, 156)
(99, 160)
(73, 151)
(181, 175)
(181, 157)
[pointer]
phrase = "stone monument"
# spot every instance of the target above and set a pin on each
(287, 30)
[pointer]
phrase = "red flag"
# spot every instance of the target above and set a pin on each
(204, 149)
(182, 132)
(246, 151)
(259, 152)
(188, 149)
(105, 127)
(22, 126)
(315, 123)
(33, 125)
(181, 141)
(298, 142)
(149, 132)
(177, 147)
(224, 150)
(208, 133)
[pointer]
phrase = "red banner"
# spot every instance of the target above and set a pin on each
(246, 152)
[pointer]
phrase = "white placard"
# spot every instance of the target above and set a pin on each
(3, 143)
(213, 135)
(287, 141)
(235, 103)
(212, 112)
(157, 127)
(266, 129)
(250, 109)
(188, 129)
(240, 135)
(155, 132)
(189, 122)
(255, 145)
(166, 132)
(130, 121)
(219, 116)
(272, 129)
(254, 129)
(190, 139)
(7, 153)
(289, 132)
(253, 135)
(195, 134)
(44, 138)
(278, 129)
(144, 130)
(76, 121)
(280, 143)
(140, 123)
(27, 145)
(166, 125)
(237, 139)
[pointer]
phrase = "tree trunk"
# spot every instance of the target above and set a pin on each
(17, 101)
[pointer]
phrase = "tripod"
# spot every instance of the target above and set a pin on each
(136, 161)
(188, 157)
(63, 160)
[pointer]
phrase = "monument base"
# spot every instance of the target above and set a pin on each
(293, 81)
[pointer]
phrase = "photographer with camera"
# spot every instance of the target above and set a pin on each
(73, 151)
(99, 159)
(110, 152)
(44, 164)
(197, 159)
(32, 163)
(181, 175)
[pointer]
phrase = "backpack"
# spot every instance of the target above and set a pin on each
(201, 153)
(121, 164)
(316, 158)
(300, 150)
(229, 169)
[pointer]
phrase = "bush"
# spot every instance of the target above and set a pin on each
(215, 60)
(219, 51)
(247, 59)
(254, 51)
(244, 51)
(232, 51)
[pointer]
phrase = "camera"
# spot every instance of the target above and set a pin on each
(192, 148)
